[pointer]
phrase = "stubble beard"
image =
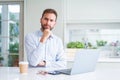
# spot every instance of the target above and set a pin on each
(43, 28)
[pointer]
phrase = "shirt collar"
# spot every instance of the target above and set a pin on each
(51, 36)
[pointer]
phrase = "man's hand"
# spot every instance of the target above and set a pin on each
(42, 64)
(45, 36)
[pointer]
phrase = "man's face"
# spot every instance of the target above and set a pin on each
(48, 21)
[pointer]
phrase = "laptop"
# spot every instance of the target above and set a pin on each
(85, 61)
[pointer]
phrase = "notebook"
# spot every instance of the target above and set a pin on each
(85, 61)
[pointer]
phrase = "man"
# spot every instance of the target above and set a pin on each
(43, 48)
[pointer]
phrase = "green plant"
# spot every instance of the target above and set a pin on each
(76, 44)
(14, 48)
(1, 58)
(89, 45)
(101, 43)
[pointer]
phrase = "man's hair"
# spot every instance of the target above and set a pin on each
(49, 11)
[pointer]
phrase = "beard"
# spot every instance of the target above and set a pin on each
(46, 27)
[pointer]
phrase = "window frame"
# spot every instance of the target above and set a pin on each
(21, 24)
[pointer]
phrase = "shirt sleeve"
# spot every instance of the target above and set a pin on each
(60, 61)
(34, 52)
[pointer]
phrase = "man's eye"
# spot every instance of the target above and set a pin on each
(45, 19)
(51, 20)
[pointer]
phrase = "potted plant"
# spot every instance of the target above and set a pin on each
(72, 47)
(76, 44)
(13, 49)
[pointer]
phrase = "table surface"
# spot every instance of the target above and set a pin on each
(12, 73)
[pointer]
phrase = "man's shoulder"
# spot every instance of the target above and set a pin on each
(33, 34)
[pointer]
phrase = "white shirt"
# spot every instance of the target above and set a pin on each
(52, 51)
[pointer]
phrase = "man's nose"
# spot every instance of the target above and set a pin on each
(48, 22)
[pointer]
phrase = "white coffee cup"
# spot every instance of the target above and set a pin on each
(23, 67)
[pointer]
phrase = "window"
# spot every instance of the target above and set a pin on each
(104, 36)
(11, 32)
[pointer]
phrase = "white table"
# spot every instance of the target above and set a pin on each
(12, 73)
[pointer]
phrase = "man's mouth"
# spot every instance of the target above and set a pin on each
(47, 27)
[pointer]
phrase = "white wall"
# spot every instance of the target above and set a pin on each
(33, 11)
(93, 9)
